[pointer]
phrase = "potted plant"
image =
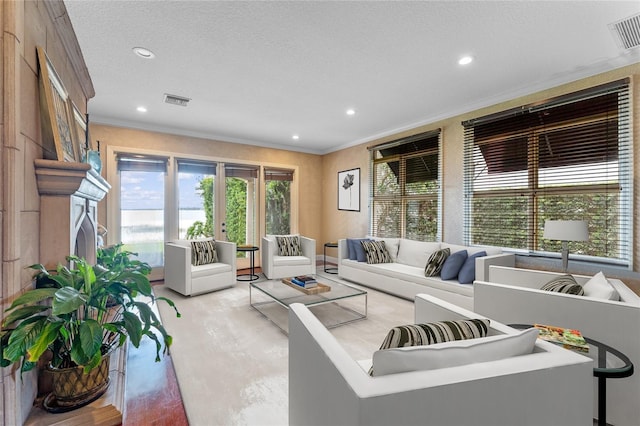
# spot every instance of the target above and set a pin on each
(78, 315)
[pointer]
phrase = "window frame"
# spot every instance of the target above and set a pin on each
(402, 196)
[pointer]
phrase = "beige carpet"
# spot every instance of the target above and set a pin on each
(232, 362)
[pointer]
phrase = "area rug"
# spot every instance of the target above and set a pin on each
(232, 363)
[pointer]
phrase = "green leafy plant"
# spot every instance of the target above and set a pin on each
(81, 313)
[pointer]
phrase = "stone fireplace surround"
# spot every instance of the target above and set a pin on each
(69, 196)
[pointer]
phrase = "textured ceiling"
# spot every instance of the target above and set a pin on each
(259, 72)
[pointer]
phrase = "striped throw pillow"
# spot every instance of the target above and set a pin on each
(435, 262)
(564, 284)
(435, 332)
(376, 252)
(203, 252)
(289, 245)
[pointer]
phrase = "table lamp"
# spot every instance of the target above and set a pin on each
(565, 231)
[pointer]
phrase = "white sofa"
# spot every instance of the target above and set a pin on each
(181, 276)
(513, 295)
(405, 276)
(549, 386)
(274, 266)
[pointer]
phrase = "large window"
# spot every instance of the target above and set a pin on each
(278, 200)
(142, 200)
(405, 192)
(567, 158)
(196, 195)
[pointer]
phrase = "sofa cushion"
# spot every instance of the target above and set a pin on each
(415, 253)
(600, 287)
(435, 262)
(468, 271)
(356, 251)
(435, 332)
(376, 252)
(288, 245)
(564, 284)
(453, 354)
(291, 260)
(473, 249)
(203, 252)
(452, 265)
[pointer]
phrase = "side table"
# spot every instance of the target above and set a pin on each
(332, 269)
(251, 276)
(601, 371)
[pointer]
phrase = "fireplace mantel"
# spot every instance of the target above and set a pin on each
(65, 178)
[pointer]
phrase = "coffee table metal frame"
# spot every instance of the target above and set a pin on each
(285, 295)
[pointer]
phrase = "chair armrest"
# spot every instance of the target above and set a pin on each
(177, 266)
(308, 247)
(483, 263)
(227, 253)
(267, 251)
(343, 251)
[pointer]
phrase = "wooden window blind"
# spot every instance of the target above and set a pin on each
(405, 187)
(568, 158)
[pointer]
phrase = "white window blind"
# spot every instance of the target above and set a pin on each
(564, 159)
(405, 187)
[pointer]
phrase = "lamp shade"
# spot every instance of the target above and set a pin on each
(566, 230)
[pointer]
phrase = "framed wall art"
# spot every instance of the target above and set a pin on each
(349, 190)
(80, 128)
(55, 113)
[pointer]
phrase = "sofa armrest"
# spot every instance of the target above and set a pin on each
(227, 254)
(483, 263)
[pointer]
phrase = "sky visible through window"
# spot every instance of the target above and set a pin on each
(144, 191)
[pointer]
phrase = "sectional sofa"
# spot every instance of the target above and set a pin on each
(405, 275)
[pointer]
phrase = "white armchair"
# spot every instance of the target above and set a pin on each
(181, 276)
(550, 386)
(275, 266)
(513, 295)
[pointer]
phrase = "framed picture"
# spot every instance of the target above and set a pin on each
(80, 127)
(349, 190)
(56, 114)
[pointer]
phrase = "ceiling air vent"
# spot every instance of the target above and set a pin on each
(627, 32)
(176, 100)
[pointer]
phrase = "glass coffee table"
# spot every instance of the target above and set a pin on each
(339, 305)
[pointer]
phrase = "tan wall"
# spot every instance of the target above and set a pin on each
(24, 25)
(339, 224)
(310, 165)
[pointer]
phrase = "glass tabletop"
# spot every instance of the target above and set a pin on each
(286, 294)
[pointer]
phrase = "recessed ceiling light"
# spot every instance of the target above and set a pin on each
(351, 111)
(295, 137)
(141, 109)
(143, 52)
(465, 60)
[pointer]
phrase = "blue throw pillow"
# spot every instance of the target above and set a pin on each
(452, 265)
(468, 271)
(356, 251)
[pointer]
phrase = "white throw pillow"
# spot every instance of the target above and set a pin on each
(453, 354)
(415, 253)
(600, 287)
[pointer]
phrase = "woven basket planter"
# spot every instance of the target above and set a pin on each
(72, 388)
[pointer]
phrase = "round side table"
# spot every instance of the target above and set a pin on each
(251, 276)
(331, 269)
(623, 368)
